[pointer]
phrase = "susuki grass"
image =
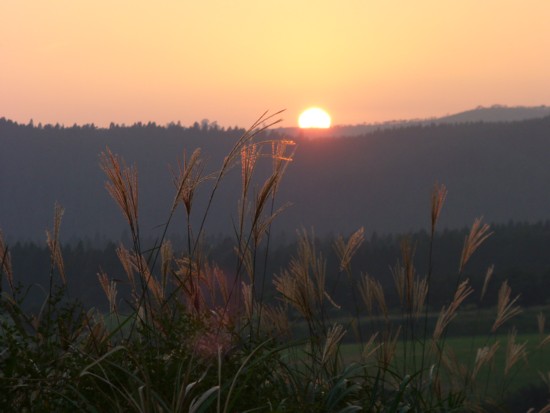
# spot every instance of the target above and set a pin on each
(188, 337)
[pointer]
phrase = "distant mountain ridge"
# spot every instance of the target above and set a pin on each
(495, 113)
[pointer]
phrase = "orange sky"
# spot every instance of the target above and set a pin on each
(76, 61)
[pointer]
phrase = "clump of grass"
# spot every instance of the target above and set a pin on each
(198, 339)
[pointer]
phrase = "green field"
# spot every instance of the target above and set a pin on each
(491, 378)
(468, 332)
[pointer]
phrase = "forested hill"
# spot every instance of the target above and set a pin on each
(381, 181)
(517, 251)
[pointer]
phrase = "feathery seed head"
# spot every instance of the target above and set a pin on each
(488, 276)
(505, 306)
(478, 234)
(52, 240)
(346, 250)
(514, 351)
(439, 194)
(447, 314)
(122, 185)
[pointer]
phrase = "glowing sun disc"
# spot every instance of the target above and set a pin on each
(314, 118)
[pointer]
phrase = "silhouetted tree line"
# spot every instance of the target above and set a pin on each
(518, 251)
(205, 125)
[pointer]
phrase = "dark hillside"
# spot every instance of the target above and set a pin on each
(381, 180)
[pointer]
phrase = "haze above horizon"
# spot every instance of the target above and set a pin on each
(362, 61)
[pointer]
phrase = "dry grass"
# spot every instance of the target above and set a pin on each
(439, 194)
(514, 351)
(448, 313)
(484, 356)
(303, 284)
(52, 240)
(372, 292)
(478, 234)
(122, 185)
(5, 263)
(386, 349)
(190, 315)
(189, 178)
(411, 290)
(346, 250)
(486, 281)
(110, 290)
(505, 306)
(329, 352)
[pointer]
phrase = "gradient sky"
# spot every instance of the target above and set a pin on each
(77, 61)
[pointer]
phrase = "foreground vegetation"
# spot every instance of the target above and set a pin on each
(199, 339)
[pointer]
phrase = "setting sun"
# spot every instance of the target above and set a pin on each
(314, 118)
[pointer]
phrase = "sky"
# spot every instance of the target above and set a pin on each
(126, 61)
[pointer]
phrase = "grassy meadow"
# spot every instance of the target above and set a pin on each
(191, 338)
(495, 381)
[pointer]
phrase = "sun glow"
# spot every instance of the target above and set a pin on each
(314, 118)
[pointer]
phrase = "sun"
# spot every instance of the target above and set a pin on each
(314, 118)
